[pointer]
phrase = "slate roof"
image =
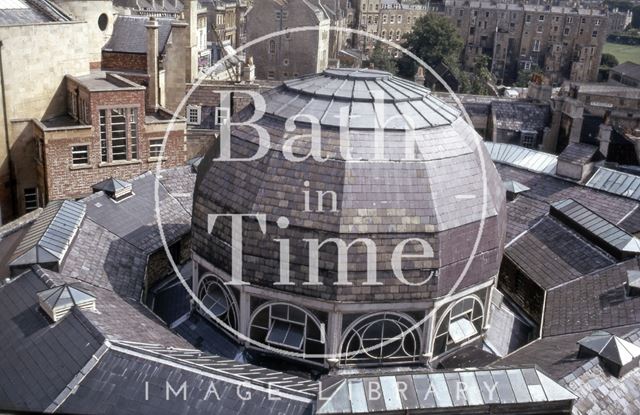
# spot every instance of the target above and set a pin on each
(519, 116)
(134, 218)
(439, 194)
(69, 366)
(557, 356)
(551, 254)
(592, 302)
(550, 189)
(179, 183)
(600, 392)
(28, 12)
(629, 69)
(130, 35)
(38, 358)
(578, 153)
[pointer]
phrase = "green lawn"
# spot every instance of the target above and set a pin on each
(623, 52)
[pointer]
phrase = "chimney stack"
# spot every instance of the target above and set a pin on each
(604, 136)
(152, 63)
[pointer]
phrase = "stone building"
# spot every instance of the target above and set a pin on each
(64, 42)
(562, 42)
(386, 202)
(294, 54)
(619, 20)
(390, 19)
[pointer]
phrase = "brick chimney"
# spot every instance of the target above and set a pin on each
(152, 63)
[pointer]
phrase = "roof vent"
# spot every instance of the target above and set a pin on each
(594, 227)
(50, 237)
(114, 188)
(633, 283)
(514, 189)
(58, 301)
(194, 163)
(616, 355)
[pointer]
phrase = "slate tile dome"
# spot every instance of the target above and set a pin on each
(436, 196)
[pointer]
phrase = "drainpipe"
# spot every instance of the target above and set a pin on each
(12, 179)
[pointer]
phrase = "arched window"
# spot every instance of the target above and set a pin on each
(384, 34)
(272, 46)
(217, 298)
(381, 337)
(461, 322)
(287, 327)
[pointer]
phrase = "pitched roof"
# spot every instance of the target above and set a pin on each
(596, 228)
(610, 347)
(520, 116)
(578, 153)
(592, 302)
(140, 374)
(629, 69)
(39, 359)
(549, 189)
(29, 12)
(524, 158)
(515, 187)
(51, 235)
(423, 390)
(552, 254)
(617, 182)
(130, 35)
(134, 219)
(600, 392)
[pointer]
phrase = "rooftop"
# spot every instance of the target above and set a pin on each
(28, 12)
(102, 81)
(130, 34)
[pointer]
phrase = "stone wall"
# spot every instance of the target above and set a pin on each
(34, 61)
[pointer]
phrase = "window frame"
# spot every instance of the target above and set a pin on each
(154, 147)
(34, 193)
(130, 118)
(198, 114)
(74, 151)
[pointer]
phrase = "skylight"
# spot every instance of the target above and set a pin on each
(50, 237)
(594, 227)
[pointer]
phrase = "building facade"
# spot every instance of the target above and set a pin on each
(108, 131)
(562, 42)
(293, 54)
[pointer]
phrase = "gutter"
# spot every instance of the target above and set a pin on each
(12, 179)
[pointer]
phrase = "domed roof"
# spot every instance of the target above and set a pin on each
(433, 189)
(402, 103)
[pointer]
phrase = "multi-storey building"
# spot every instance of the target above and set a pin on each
(389, 19)
(619, 20)
(31, 87)
(293, 54)
(108, 131)
(562, 42)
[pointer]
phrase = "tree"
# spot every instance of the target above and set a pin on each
(609, 60)
(433, 39)
(525, 75)
(482, 79)
(382, 59)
